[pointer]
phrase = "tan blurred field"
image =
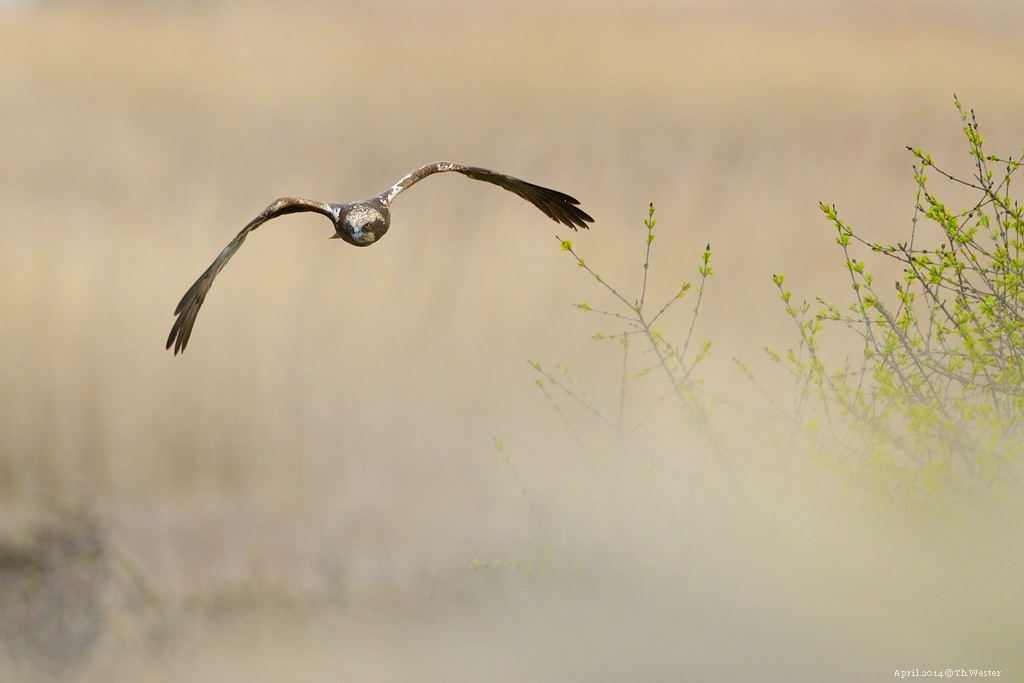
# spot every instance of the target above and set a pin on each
(303, 493)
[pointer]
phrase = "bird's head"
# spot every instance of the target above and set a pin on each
(363, 224)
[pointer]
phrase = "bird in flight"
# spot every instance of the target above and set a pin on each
(363, 223)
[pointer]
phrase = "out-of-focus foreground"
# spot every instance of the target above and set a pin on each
(302, 495)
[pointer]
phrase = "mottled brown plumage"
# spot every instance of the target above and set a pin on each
(363, 223)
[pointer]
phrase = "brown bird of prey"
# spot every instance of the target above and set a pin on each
(363, 223)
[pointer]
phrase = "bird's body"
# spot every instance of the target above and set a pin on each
(363, 223)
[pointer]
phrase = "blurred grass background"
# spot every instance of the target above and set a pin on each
(327, 436)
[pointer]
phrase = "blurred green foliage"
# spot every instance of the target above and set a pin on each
(930, 414)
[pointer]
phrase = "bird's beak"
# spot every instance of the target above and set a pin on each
(335, 236)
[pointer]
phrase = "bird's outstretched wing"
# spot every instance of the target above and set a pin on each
(558, 206)
(189, 305)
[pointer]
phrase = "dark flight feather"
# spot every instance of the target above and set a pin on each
(188, 307)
